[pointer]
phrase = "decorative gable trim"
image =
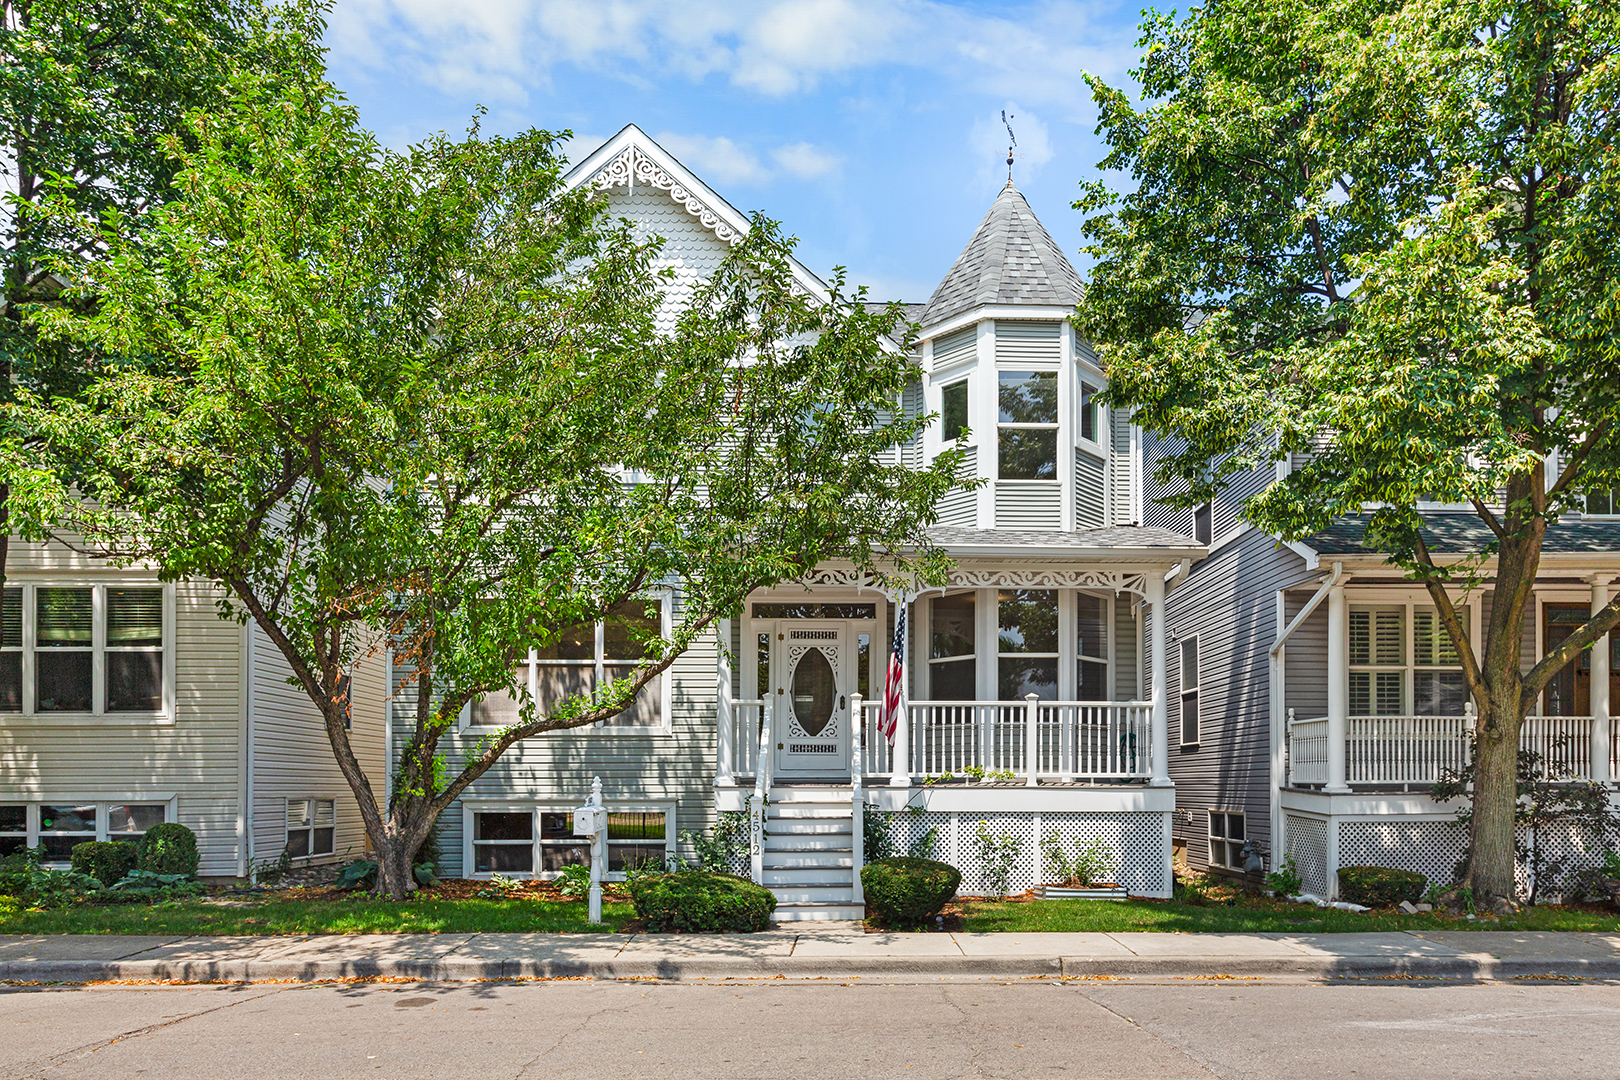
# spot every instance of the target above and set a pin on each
(630, 165)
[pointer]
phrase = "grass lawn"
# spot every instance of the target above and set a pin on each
(1251, 916)
(277, 915)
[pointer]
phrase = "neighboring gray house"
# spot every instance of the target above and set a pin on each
(126, 701)
(1048, 618)
(1315, 697)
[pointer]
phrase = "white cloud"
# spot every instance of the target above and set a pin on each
(718, 160)
(803, 161)
(498, 48)
(987, 139)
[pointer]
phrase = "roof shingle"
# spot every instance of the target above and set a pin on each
(1011, 259)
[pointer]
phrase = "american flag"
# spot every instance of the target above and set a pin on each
(894, 684)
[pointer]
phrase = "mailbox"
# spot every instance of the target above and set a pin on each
(589, 820)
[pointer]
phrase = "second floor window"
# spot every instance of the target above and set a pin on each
(954, 410)
(1090, 418)
(91, 649)
(1027, 425)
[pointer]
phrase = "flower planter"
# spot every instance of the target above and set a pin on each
(1099, 891)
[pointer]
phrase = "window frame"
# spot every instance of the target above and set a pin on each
(1408, 668)
(930, 660)
(1186, 693)
(98, 714)
(1055, 655)
(536, 809)
(1224, 837)
(1081, 658)
(664, 598)
(32, 805)
(1055, 425)
(1611, 514)
(1091, 414)
(312, 801)
(947, 389)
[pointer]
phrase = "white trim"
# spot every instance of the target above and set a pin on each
(536, 807)
(32, 803)
(98, 716)
(1010, 312)
(1182, 691)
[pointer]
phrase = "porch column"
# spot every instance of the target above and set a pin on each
(1338, 688)
(1161, 684)
(1600, 687)
(725, 721)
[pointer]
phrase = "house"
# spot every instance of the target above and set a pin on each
(126, 701)
(1316, 698)
(1036, 710)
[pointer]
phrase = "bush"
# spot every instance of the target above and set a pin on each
(60, 888)
(907, 891)
(145, 887)
(107, 861)
(18, 869)
(169, 848)
(1379, 886)
(701, 900)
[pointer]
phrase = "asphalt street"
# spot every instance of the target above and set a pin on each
(1162, 1027)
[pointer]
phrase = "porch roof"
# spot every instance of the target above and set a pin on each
(1449, 533)
(1114, 542)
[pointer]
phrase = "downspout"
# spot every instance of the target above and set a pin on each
(1279, 715)
(249, 749)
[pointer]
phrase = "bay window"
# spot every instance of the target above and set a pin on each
(1027, 425)
(1027, 644)
(85, 650)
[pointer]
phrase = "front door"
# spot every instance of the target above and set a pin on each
(813, 679)
(1570, 691)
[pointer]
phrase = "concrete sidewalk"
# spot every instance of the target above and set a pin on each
(803, 951)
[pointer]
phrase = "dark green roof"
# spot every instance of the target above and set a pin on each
(1461, 534)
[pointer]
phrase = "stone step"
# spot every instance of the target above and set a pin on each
(809, 826)
(806, 875)
(777, 841)
(790, 912)
(816, 894)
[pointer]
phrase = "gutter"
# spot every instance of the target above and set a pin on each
(1279, 715)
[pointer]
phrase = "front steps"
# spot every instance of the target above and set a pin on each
(809, 856)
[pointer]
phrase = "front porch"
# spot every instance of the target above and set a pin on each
(1031, 714)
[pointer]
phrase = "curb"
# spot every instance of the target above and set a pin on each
(453, 970)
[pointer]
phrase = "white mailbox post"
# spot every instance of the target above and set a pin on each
(591, 820)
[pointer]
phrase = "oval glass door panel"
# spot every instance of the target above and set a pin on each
(814, 692)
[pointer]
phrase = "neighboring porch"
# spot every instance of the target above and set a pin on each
(1030, 706)
(1378, 711)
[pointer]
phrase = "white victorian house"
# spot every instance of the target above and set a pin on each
(1034, 706)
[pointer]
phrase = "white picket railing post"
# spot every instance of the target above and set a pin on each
(1288, 750)
(762, 788)
(1032, 738)
(857, 797)
(725, 717)
(1599, 693)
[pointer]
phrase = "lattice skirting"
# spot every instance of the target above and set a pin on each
(1140, 842)
(1307, 843)
(1430, 848)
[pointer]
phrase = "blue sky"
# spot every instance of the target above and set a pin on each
(870, 129)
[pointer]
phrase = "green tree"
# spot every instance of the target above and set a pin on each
(89, 91)
(1382, 233)
(423, 400)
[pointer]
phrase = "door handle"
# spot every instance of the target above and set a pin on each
(840, 702)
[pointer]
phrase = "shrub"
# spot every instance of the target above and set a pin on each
(1379, 886)
(701, 900)
(145, 887)
(169, 848)
(1285, 879)
(907, 891)
(18, 868)
(361, 873)
(108, 861)
(60, 888)
(575, 881)
(1081, 867)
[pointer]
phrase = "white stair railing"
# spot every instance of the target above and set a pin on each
(756, 805)
(857, 799)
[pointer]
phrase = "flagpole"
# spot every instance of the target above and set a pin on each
(900, 753)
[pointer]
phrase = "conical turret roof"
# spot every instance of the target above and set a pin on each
(1011, 259)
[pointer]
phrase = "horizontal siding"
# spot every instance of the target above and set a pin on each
(1028, 343)
(558, 767)
(1028, 505)
(1126, 684)
(1229, 604)
(956, 348)
(196, 759)
(960, 506)
(293, 759)
(1305, 661)
(1090, 479)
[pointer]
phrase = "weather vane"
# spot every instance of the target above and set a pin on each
(1012, 141)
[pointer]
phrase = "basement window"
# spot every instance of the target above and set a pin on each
(311, 827)
(1226, 838)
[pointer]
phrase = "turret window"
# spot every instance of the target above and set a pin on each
(954, 410)
(1028, 427)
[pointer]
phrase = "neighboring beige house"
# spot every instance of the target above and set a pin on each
(125, 701)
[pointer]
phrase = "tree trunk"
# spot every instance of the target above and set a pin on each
(1496, 793)
(394, 852)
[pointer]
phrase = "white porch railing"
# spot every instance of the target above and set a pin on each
(746, 715)
(1417, 749)
(1074, 740)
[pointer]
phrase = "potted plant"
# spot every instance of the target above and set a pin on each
(1083, 873)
